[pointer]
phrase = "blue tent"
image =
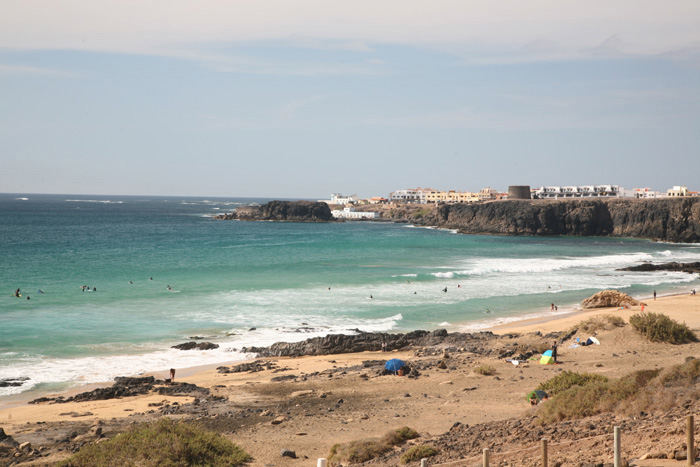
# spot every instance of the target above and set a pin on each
(547, 353)
(394, 364)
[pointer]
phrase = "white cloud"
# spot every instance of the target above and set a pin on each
(30, 70)
(132, 26)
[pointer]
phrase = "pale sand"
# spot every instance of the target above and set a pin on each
(371, 407)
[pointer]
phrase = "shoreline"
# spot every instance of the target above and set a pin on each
(545, 323)
(310, 403)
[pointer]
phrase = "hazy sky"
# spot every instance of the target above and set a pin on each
(301, 98)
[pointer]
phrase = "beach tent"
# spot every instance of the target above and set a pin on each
(547, 353)
(394, 364)
(539, 395)
(591, 341)
(547, 360)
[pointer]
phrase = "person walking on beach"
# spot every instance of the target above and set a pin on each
(172, 374)
(654, 294)
(554, 351)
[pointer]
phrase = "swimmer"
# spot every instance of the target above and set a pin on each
(488, 311)
(40, 291)
(17, 292)
(27, 297)
(94, 289)
(131, 282)
(371, 296)
(151, 279)
(445, 290)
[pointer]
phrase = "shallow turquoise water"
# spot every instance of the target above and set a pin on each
(228, 277)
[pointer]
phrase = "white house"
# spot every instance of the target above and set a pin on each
(350, 213)
(337, 198)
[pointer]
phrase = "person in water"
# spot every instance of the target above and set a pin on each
(17, 292)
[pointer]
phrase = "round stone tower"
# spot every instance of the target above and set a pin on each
(519, 192)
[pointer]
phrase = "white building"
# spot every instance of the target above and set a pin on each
(677, 191)
(350, 213)
(647, 193)
(584, 191)
(337, 198)
(412, 195)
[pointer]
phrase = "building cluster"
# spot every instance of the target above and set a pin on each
(432, 196)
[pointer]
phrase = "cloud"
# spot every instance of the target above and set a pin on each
(131, 26)
(30, 70)
(289, 110)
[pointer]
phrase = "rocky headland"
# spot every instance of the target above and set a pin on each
(290, 211)
(671, 219)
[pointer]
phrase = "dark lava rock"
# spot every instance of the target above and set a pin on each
(294, 211)
(366, 341)
(12, 382)
(674, 266)
(194, 345)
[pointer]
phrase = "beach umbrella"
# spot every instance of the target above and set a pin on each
(394, 364)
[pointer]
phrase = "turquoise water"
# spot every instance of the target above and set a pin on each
(289, 281)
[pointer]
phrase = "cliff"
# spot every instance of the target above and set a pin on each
(671, 219)
(291, 211)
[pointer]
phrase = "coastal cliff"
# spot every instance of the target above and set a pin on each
(291, 211)
(671, 219)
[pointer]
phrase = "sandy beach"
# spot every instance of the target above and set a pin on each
(335, 399)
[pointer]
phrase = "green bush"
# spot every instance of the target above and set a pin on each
(364, 450)
(660, 328)
(419, 214)
(357, 451)
(645, 390)
(162, 443)
(568, 379)
(400, 436)
(417, 453)
(598, 323)
(485, 370)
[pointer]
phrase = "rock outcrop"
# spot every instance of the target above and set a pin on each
(196, 346)
(671, 219)
(365, 341)
(290, 211)
(609, 298)
(674, 266)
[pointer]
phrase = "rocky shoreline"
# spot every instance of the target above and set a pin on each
(668, 219)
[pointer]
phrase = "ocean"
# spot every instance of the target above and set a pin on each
(164, 271)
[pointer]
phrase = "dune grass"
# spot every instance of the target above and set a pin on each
(658, 327)
(161, 443)
(368, 449)
(646, 390)
(417, 453)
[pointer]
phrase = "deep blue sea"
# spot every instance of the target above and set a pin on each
(255, 283)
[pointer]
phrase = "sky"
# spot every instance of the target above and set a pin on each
(303, 98)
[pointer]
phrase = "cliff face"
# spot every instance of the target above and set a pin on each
(291, 211)
(673, 220)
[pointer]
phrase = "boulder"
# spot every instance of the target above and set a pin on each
(194, 345)
(607, 299)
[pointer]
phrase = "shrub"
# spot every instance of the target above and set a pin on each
(403, 434)
(598, 323)
(364, 450)
(660, 328)
(485, 370)
(357, 451)
(568, 379)
(162, 443)
(417, 453)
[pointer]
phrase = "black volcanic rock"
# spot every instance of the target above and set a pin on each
(291, 211)
(674, 266)
(668, 219)
(194, 345)
(365, 341)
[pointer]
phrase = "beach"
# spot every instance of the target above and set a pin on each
(333, 399)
